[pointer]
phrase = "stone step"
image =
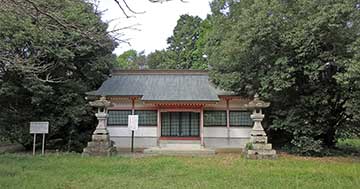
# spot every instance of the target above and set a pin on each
(260, 146)
(99, 144)
(261, 154)
(191, 146)
(179, 141)
(180, 144)
(179, 151)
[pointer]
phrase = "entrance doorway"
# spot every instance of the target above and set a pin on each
(180, 124)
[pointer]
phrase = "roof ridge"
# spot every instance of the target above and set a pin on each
(158, 72)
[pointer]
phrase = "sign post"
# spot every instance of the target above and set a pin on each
(133, 126)
(34, 144)
(39, 127)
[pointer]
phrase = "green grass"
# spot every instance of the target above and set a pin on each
(350, 145)
(220, 171)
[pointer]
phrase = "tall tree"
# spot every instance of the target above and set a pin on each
(291, 52)
(183, 49)
(160, 59)
(52, 52)
(131, 59)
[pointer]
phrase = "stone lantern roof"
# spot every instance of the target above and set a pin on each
(101, 103)
(256, 103)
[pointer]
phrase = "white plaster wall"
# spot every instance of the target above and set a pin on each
(139, 142)
(215, 132)
(221, 132)
(121, 131)
(240, 132)
(216, 143)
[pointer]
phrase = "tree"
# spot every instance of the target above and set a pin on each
(292, 54)
(350, 82)
(126, 60)
(160, 59)
(52, 52)
(183, 49)
(186, 46)
(131, 59)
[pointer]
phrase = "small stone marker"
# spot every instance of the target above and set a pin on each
(39, 127)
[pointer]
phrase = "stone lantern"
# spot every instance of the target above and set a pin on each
(100, 144)
(258, 147)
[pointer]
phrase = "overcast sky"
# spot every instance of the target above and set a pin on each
(155, 25)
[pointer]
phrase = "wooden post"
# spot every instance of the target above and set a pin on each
(133, 106)
(132, 132)
(202, 126)
(34, 144)
(228, 120)
(158, 126)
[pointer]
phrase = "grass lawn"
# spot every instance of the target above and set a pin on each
(349, 145)
(220, 171)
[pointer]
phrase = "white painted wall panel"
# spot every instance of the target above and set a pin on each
(215, 132)
(124, 131)
(219, 132)
(240, 132)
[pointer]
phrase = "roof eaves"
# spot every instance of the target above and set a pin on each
(158, 72)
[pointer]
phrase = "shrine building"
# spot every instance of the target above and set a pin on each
(174, 105)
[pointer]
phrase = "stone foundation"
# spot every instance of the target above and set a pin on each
(99, 146)
(261, 154)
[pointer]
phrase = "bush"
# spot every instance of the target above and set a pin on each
(306, 146)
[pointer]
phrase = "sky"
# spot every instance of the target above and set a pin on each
(154, 26)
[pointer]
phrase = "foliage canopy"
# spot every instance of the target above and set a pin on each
(52, 52)
(300, 55)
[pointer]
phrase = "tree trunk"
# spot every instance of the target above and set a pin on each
(329, 138)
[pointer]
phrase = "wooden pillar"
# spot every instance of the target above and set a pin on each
(202, 126)
(228, 120)
(133, 106)
(158, 126)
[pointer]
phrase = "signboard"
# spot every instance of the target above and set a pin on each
(39, 127)
(133, 122)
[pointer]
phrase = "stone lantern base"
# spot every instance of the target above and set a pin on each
(259, 148)
(260, 151)
(101, 145)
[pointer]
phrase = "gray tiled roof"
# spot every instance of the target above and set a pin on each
(156, 85)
